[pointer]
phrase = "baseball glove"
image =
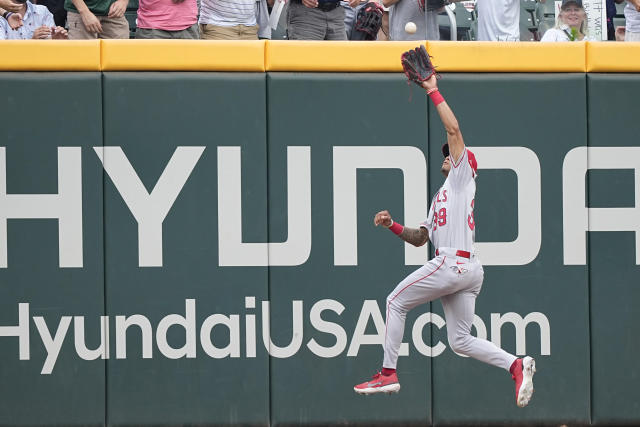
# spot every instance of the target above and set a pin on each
(368, 22)
(417, 65)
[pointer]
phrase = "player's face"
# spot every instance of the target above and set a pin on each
(446, 167)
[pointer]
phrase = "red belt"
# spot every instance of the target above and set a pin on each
(463, 254)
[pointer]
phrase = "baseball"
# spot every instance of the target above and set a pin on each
(410, 27)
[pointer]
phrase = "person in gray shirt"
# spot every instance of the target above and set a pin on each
(403, 11)
(317, 19)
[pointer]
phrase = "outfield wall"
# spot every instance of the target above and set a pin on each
(181, 247)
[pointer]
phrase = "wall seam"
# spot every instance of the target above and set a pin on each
(588, 244)
(104, 255)
(266, 108)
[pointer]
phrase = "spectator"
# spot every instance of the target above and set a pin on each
(56, 7)
(383, 34)
(13, 19)
(94, 19)
(167, 19)
(570, 25)
(228, 20)
(8, 6)
(317, 19)
(499, 20)
(403, 11)
(632, 18)
(611, 13)
(262, 17)
(37, 23)
(350, 15)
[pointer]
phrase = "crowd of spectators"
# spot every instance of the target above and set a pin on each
(497, 20)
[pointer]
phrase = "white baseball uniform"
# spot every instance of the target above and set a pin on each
(455, 275)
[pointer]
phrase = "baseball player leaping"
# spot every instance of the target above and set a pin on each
(455, 274)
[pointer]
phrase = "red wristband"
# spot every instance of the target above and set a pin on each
(435, 96)
(396, 228)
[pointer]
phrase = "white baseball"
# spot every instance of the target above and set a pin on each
(410, 27)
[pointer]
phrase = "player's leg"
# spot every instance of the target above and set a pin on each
(419, 287)
(459, 310)
(423, 285)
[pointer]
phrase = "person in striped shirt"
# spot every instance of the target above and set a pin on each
(229, 19)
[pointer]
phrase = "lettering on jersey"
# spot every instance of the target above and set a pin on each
(470, 219)
(442, 217)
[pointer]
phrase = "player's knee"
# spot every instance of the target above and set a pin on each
(394, 303)
(460, 343)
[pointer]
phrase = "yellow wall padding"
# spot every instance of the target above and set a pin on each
(283, 55)
(519, 57)
(182, 55)
(613, 57)
(336, 56)
(49, 55)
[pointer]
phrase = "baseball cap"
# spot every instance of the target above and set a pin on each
(566, 2)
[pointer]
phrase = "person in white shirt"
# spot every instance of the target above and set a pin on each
(632, 19)
(37, 23)
(499, 20)
(571, 24)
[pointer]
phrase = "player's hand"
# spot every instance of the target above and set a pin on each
(354, 3)
(118, 9)
(15, 21)
(382, 218)
(310, 3)
(42, 32)
(431, 83)
(59, 33)
(91, 23)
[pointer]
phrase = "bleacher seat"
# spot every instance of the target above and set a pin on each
(528, 25)
(466, 22)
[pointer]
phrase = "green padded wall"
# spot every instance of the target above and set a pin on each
(227, 217)
(149, 115)
(41, 112)
(323, 111)
(499, 110)
(613, 269)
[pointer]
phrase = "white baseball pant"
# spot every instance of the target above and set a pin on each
(457, 282)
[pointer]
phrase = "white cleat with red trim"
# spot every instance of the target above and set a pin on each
(522, 372)
(379, 384)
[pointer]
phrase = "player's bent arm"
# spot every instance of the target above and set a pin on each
(415, 236)
(387, 3)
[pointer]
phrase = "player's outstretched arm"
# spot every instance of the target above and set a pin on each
(415, 236)
(454, 135)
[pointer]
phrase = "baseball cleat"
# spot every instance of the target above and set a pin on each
(522, 372)
(379, 384)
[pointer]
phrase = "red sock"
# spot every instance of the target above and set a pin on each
(513, 366)
(386, 371)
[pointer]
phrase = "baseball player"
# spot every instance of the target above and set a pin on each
(455, 274)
